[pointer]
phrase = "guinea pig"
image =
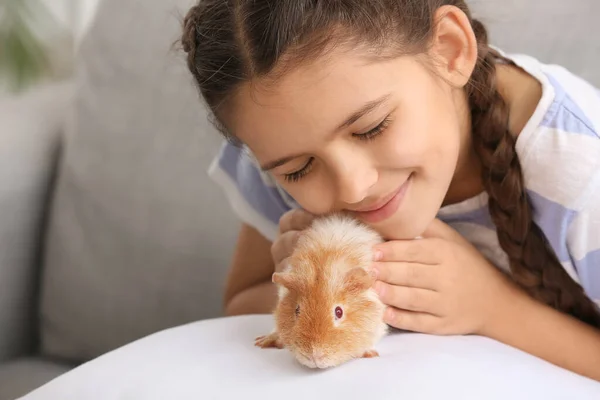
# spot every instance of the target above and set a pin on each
(327, 311)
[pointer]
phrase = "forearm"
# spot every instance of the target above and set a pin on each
(257, 299)
(550, 335)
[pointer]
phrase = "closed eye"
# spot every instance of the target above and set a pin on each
(296, 176)
(379, 129)
(369, 135)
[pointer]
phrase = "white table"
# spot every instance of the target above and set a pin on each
(216, 359)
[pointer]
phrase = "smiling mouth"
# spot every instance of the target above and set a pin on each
(385, 207)
(380, 204)
(384, 201)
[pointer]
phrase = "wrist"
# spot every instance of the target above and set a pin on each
(510, 307)
(542, 331)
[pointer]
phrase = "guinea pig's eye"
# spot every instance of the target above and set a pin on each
(339, 312)
(297, 310)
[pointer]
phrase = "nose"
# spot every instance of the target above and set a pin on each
(317, 355)
(355, 178)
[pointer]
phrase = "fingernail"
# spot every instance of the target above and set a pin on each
(378, 255)
(378, 288)
(373, 272)
(388, 316)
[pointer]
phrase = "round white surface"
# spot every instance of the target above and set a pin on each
(217, 359)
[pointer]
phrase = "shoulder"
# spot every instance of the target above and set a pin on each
(559, 151)
(252, 194)
(559, 146)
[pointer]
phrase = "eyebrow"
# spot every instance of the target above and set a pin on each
(367, 108)
(364, 110)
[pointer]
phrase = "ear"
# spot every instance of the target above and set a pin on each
(286, 280)
(454, 45)
(358, 280)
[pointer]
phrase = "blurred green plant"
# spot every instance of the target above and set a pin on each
(23, 56)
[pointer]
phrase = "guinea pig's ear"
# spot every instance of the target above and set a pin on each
(285, 279)
(358, 280)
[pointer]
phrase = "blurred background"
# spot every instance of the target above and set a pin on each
(38, 39)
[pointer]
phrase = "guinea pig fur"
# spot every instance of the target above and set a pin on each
(327, 312)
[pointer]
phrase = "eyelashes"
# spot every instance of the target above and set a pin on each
(296, 176)
(373, 133)
(370, 135)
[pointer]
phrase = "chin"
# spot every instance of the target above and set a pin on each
(405, 225)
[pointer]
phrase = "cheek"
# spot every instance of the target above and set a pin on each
(315, 193)
(432, 134)
(416, 142)
(447, 137)
(443, 149)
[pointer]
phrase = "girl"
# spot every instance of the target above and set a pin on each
(400, 113)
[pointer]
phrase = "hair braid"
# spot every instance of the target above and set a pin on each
(533, 263)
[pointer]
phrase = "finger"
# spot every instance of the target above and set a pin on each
(422, 251)
(412, 321)
(407, 298)
(283, 246)
(282, 265)
(296, 220)
(415, 275)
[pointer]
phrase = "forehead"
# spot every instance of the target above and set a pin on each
(307, 102)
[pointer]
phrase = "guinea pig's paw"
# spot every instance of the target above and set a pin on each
(269, 341)
(370, 354)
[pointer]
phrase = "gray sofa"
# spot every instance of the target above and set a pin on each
(109, 228)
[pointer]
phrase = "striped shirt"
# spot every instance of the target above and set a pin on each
(559, 151)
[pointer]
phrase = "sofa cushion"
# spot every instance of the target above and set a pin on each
(139, 240)
(31, 128)
(554, 31)
(217, 359)
(19, 377)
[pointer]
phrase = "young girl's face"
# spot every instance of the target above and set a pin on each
(380, 140)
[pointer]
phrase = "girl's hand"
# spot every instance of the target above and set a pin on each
(440, 284)
(290, 225)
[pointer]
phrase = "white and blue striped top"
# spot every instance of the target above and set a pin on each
(559, 150)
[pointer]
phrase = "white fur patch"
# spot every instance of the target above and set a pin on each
(338, 230)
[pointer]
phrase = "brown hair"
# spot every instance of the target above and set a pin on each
(229, 42)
